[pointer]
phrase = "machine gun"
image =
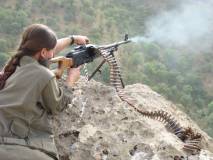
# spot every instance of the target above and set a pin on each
(85, 54)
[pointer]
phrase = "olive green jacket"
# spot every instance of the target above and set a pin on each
(29, 96)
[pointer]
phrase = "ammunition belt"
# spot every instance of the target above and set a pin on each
(192, 140)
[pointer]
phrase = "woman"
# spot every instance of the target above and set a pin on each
(29, 93)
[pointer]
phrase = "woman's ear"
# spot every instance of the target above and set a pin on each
(43, 53)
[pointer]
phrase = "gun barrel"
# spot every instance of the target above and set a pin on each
(114, 44)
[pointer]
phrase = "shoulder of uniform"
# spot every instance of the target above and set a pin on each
(42, 72)
(46, 71)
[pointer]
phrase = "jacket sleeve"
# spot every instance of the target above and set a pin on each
(53, 98)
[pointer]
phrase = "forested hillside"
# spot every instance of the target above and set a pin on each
(181, 75)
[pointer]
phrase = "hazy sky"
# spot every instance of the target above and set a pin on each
(190, 25)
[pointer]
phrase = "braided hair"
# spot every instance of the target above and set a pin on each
(34, 38)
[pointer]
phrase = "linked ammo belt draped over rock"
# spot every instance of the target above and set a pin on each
(192, 140)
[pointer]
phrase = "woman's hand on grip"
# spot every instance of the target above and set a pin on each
(73, 75)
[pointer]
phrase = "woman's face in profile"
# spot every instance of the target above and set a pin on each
(50, 54)
(47, 54)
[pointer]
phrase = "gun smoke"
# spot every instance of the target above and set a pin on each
(189, 26)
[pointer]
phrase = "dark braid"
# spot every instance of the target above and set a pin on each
(34, 39)
(10, 68)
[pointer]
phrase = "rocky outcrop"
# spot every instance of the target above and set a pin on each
(97, 125)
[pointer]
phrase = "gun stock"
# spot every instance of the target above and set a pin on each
(63, 63)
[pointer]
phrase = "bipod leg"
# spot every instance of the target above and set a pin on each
(96, 70)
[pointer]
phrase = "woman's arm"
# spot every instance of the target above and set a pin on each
(52, 96)
(73, 73)
(62, 44)
(66, 42)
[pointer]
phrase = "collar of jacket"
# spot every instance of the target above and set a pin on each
(27, 60)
